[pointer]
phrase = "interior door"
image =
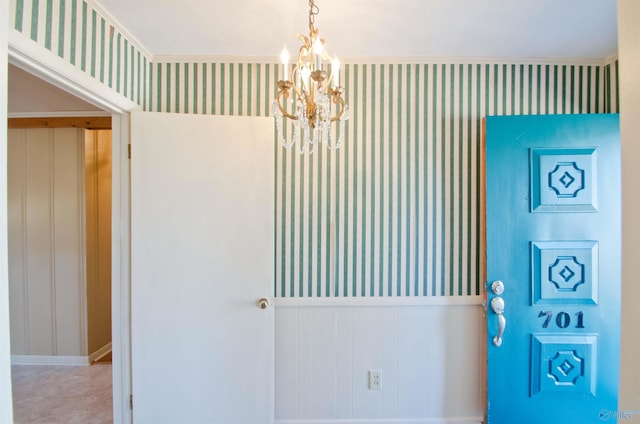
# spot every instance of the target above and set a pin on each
(553, 268)
(202, 217)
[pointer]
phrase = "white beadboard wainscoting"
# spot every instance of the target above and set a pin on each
(429, 351)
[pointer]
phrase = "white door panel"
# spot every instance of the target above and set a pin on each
(202, 192)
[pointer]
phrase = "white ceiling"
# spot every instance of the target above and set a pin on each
(30, 95)
(502, 29)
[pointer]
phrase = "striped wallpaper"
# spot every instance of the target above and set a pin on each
(76, 32)
(395, 211)
(240, 89)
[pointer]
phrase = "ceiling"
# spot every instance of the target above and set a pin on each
(502, 29)
(31, 95)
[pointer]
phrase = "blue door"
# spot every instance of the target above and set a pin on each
(552, 268)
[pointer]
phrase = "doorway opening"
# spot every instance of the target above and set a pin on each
(59, 204)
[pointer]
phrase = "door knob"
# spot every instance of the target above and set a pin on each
(497, 306)
(497, 287)
(263, 303)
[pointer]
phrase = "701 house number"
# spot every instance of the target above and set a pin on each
(563, 319)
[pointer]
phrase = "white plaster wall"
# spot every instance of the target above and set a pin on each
(431, 358)
(6, 413)
(629, 56)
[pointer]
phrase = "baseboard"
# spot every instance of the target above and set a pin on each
(100, 353)
(61, 360)
(470, 420)
(49, 360)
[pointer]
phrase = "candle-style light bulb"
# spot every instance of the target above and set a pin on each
(284, 58)
(317, 51)
(335, 71)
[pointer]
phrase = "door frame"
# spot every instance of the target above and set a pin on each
(43, 64)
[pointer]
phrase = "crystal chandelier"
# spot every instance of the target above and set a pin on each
(314, 91)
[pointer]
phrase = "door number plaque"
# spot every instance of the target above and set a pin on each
(563, 319)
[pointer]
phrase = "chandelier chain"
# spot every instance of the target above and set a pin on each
(313, 11)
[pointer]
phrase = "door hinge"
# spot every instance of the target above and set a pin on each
(131, 401)
(129, 150)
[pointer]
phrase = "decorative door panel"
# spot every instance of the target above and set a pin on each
(564, 271)
(553, 268)
(563, 180)
(563, 366)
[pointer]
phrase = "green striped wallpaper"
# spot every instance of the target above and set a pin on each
(395, 211)
(240, 89)
(76, 32)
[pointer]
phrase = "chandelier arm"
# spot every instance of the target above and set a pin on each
(306, 44)
(338, 100)
(294, 73)
(284, 92)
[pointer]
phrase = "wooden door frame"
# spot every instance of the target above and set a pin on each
(86, 122)
(482, 245)
(43, 64)
(90, 123)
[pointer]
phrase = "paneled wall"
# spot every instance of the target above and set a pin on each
(98, 257)
(46, 242)
(430, 357)
(59, 244)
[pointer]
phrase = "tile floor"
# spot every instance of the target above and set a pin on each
(62, 394)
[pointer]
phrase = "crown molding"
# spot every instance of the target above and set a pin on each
(215, 59)
(476, 60)
(389, 60)
(102, 11)
(611, 59)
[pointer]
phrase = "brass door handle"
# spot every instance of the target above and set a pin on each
(263, 303)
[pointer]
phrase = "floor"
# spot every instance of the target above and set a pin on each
(62, 394)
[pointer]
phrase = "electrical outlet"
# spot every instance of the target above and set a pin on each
(375, 380)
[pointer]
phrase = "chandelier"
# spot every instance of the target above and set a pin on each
(314, 91)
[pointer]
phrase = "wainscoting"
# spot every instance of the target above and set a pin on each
(429, 351)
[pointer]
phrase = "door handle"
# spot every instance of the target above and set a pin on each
(263, 303)
(497, 287)
(497, 306)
